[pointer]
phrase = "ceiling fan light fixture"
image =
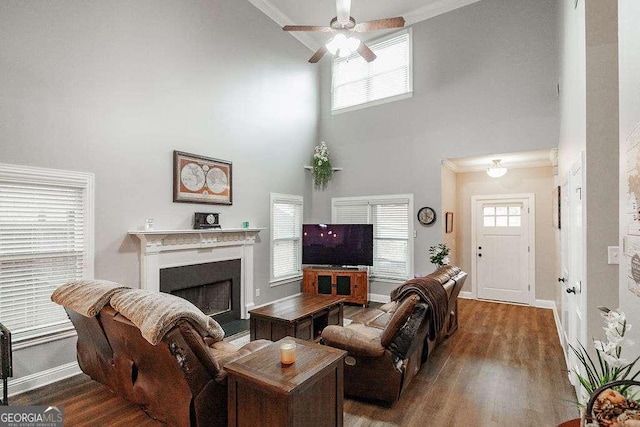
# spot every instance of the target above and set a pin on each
(343, 45)
(496, 170)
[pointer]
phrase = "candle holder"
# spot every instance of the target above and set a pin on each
(287, 352)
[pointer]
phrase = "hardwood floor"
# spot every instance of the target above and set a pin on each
(503, 367)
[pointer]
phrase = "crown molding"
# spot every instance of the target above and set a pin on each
(450, 165)
(435, 9)
(269, 9)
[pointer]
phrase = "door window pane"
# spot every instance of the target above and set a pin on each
(489, 221)
(489, 210)
(514, 221)
(501, 210)
(501, 221)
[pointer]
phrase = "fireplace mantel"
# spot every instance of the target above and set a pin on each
(173, 248)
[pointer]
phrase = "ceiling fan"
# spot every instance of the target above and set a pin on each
(343, 26)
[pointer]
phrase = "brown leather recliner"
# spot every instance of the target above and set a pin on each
(387, 346)
(180, 381)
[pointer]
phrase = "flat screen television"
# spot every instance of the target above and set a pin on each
(337, 244)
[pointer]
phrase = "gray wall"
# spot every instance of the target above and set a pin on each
(484, 82)
(629, 42)
(113, 87)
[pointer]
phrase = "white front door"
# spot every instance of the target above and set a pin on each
(502, 249)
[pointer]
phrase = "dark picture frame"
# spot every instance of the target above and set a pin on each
(448, 222)
(200, 179)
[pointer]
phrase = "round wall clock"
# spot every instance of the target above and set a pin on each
(426, 216)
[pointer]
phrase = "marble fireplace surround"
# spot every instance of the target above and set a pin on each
(175, 248)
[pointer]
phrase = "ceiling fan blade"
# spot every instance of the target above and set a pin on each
(307, 28)
(343, 7)
(380, 24)
(366, 53)
(319, 54)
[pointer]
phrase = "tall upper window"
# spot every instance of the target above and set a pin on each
(392, 230)
(389, 77)
(46, 227)
(286, 236)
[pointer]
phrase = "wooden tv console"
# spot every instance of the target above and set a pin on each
(351, 284)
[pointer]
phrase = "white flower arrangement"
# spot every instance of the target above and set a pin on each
(610, 366)
(321, 166)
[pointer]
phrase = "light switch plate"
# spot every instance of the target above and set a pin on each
(613, 254)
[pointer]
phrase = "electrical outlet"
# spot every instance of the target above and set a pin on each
(257, 292)
(613, 254)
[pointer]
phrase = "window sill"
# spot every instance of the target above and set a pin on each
(373, 103)
(387, 280)
(22, 343)
(285, 280)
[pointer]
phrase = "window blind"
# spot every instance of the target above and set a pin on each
(391, 240)
(286, 232)
(356, 81)
(44, 222)
(392, 229)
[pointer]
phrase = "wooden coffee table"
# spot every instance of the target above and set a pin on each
(304, 317)
(309, 392)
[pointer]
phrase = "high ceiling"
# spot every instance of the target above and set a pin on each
(320, 12)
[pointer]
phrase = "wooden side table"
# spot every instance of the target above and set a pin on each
(264, 392)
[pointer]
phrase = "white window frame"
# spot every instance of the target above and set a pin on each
(18, 174)
(370, 201)
(372, 44)
(294, 200)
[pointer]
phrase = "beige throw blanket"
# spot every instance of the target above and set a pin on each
(86, 297)
(155, 313)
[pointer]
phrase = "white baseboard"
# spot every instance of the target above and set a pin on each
(277, 300)
(466, 295)
(379, 298)
(40, 379)
(543, 303)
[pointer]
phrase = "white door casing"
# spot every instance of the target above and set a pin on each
(503, 252)
(573, 285)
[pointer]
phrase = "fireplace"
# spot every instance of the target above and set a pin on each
(213, 287)
(166, 249)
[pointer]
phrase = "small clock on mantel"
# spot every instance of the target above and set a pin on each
(426, 216)
(203, 220)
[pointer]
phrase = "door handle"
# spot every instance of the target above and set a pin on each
(571, 290)
(561, 279)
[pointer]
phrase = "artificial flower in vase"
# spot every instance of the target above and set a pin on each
(322, 170)
(439, 255)
(609, 365)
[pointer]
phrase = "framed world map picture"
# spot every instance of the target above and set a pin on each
(199, 179)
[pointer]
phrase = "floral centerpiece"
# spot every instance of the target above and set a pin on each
(439, 254)
(321, 166)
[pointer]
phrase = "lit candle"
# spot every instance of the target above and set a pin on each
(287, 352)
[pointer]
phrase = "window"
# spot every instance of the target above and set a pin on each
(502, 216)
(392, 230)
(389, 77)
(46, 239)
(286, 237)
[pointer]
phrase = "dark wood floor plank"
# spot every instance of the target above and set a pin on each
(503, 367)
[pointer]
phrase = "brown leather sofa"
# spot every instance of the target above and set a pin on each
(387, 346)
(180, 381)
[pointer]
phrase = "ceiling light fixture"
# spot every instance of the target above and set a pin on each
(343, 45)
(496, 170)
